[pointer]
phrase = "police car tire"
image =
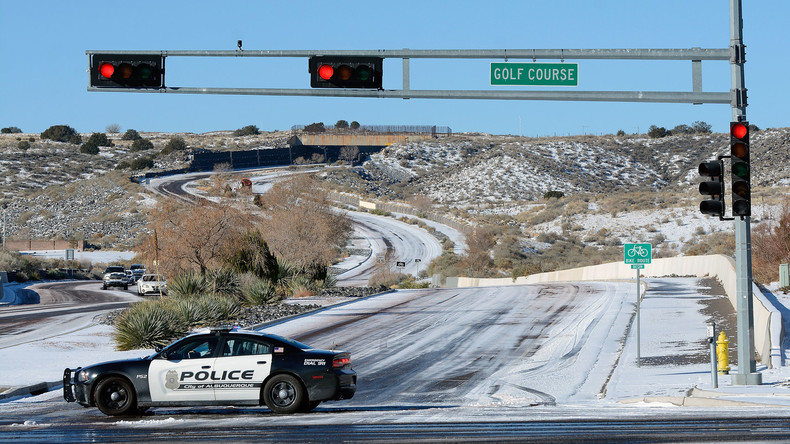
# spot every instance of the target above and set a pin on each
(115, 396)
(284, 394)
(309, 406)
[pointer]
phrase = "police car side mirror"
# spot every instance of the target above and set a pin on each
(162, 354)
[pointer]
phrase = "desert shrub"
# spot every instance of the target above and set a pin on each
(23, 145)
(159, 322)
(89, 148)
(259, 292)
(249, 130)
(223, 281)
(771, 246)
(142, 163)
(60, 133)
(174, 144)
(147, 325)
(99, 139)
(656, 132)
(218, 309)
(315, 128)
(187, 285)
(131, 134)
(141, 144)
(553, 194)
(10, 130)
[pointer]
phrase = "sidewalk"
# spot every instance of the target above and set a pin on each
(675, 357)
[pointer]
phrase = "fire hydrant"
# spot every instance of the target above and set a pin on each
(723, 354)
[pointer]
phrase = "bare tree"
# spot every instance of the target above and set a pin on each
(300, 224)
(193, 237)
(349, 153)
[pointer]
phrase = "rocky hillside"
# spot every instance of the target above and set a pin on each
(53, 190)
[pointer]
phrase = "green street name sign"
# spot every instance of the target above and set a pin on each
(638, 253)
(535, 74)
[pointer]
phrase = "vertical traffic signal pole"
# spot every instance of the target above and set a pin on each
(747, 366)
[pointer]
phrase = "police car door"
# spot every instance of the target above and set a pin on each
(241, 367)
(183, 372)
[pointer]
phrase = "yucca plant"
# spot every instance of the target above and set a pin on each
(187, 284)
(223, 281)
(218, 309)
(189, 312)
(259, 292)
(146, 325)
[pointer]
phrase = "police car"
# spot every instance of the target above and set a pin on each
(221, 367)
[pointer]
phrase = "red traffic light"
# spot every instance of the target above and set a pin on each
(106, 70)
(345, 72)
(326, 72)
(127, 71)
(739, 130)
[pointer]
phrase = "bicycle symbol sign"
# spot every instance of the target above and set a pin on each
(638, 253)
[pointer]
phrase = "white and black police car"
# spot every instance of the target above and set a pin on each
(223, 366)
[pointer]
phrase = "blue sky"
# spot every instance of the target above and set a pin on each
(43, 76)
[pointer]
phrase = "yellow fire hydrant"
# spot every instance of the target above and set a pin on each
(723, 354)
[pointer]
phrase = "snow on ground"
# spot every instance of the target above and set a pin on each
(99, 256)
(672, 325)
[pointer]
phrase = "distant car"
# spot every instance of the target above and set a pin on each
(151, 284)
(138, 270)
(116, 279)
(114, 269)
(219, 367)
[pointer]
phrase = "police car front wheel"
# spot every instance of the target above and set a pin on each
(284, 394)
(115, 396)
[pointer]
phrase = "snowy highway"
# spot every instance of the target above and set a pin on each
(524, 345)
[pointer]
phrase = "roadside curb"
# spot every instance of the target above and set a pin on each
(690, 401)
(30, 390)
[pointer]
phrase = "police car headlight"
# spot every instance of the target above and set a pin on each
(82, 376)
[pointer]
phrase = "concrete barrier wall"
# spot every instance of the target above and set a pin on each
(43, 244)
(767, 319)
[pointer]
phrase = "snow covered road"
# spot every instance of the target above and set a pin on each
(525, 345)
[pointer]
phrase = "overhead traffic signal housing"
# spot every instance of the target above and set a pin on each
(741, 170)
(127, 71)
(345, 72)
(713, 188)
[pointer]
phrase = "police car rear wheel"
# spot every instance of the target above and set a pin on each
(115, 396)
(284, 394)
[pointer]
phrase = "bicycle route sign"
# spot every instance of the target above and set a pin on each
(638, 254)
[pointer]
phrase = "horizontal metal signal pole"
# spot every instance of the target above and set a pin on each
(589, 96)
(504, 54)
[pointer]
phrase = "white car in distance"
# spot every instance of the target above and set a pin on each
(151, 284)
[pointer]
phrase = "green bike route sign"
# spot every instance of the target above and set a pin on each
(638, 253)
(535, 74)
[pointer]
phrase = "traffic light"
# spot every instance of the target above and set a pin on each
(345, 72)
(714, 188)
(127, 71)
(739, 149)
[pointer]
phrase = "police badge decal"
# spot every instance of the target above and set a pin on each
(171, 380)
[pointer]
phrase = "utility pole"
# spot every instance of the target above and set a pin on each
(747, 366)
